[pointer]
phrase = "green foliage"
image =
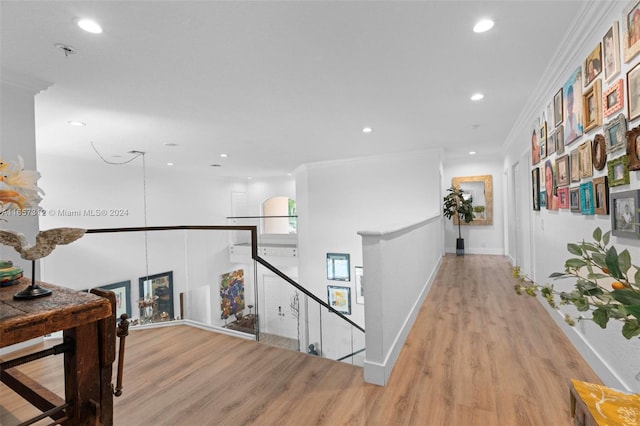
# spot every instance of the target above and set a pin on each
(603, 284)
(454, 204)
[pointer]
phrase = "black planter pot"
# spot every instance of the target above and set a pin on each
(460, 246)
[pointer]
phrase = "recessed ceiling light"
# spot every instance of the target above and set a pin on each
(223, 155)
(170, 144)
(483, 25)
(249, 178)
(367, 130)
(77, 123)
(90, 26)
(216, 165)
(472, 153)
(477, 96)
(169, 164)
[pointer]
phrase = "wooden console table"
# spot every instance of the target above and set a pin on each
(88, 324)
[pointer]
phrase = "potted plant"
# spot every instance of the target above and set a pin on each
(456, 204)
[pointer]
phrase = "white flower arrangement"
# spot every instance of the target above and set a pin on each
(18, 187)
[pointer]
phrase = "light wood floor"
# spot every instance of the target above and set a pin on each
(478, 355)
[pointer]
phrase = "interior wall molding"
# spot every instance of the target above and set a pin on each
(24, 82)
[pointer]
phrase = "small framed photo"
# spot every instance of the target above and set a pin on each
(633, 148)
(557, 108)
(592, 104)
(562, 169)
(624, 213)
(601, 193)
(633, 92)
(575, 165)
(586, 198)
(599, 152)
(592, 65)
(551, 143)
(586, 162)
(560, 139)
(563, 197)
(572, 106)
(156, 297)
(615, 134)
(543, 198)
(535, 187)
(359, 278)
(542, 139)
(122, 291)
(618, 171)
(611, 52)
(631, 35)
(338, 267)
(612, 99)
(574, 200)
(339, 298)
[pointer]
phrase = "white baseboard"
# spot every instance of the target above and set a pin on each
(477, 250)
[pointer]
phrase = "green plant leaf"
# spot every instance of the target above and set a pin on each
(581, 303)
(597, 276)
(574, 263)
(598, 259)
(631, 328)
(574, 249)
(601, 317)
(590, 247)
(624, 261)
(558, 275)
(597, 234)
(611, 259)
(626, 296)
(636, 279)
(633, 310)
(605, 238)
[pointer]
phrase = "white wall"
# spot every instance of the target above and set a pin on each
(483, 239)
(613, 357)
(337, 199)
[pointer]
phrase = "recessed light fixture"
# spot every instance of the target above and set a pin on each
(472, 153)
(169, 164)
(216, 165)
(483, 25)
(77, 123)
(249, 178)
(223, 155)
(367, 130)
(170, 144)
(90, 26)
(477, 96)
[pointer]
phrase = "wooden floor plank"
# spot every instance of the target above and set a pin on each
(478, 354)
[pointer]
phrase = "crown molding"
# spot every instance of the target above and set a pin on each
(34, 85)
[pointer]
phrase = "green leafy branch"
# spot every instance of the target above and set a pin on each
(604, 284)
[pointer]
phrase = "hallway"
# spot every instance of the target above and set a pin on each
(479, 354)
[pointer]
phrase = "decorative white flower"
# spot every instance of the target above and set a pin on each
(18, 187)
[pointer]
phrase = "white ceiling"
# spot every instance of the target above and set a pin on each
(278, 84)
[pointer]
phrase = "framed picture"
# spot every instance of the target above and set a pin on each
(611, 52)
(574, 200)
(586, 162)
(592, 65)
(631, 35)
(535, 186)
(560, 139)
(612, 99)
(542, 139)
(359, 276)
(601, 193)
(633, 148)
(551, 143)
(563, 198)
(338, 267)
(615, 134)
(339, 298)
(572, 107)
(618, 171)
(575, 165)
(543, 198)
(122, 291)
(599, 152)
(586, 198)
(633, 92)
(231, 293)
(624, 213)
(592, 103)
(156, 297)
(557, 108)
(535, 148)
(562, 168)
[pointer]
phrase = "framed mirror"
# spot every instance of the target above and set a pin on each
(480, 188)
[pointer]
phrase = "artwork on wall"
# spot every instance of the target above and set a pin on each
(563, 198)
(542, 139)
(631, 35)
(592, 65)
(562, 168)
(122, 290)
(560, 139)
(633, 92)
(338, 267)
(557, 108)
(618, 171)
(613, 99)
(575, 165)
(586, 198)
(624, 213)
(543, 198)
(535, 184)
(599, 152)
(633, 148)
(615, 133)
(601, 194)
(550, 185)
(572, 107)
(592, 104)
(586, 162)
(574, 200)
(535, 148)
(551, 143)
(359, 274)
(611, 52)
(231, 293)
(156, 294)
(339, 298)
